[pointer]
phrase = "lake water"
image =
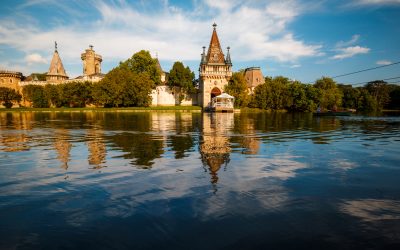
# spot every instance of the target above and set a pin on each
(159, 180)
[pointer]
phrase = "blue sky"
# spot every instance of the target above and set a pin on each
(302, 40)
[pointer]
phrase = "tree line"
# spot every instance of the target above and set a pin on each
(281, 93)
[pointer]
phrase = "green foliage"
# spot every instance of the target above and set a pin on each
(36, 95)
(237, 87)
(260, 97)
(297, 97)
(8, 96)
(181, 77)
(53, 95)
(380, 91)
(142, 62)
(75, 94)
(331, 96)
(122, 87)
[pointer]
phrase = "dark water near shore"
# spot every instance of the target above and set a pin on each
(155, 180)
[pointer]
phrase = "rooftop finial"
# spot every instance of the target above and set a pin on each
(55, 45)
(214, 25)
(91, 47)
(204, 49)
(228, 48)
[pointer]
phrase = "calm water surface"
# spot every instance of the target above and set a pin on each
(156, 180)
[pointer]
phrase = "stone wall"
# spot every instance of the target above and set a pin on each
(166, 96)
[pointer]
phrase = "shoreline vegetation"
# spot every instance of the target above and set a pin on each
(113, 109)
(129, 85)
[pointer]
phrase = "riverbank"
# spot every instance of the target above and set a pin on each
(130, 109)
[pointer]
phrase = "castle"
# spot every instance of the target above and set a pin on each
(215, 71)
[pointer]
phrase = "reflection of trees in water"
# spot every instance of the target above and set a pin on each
(181, 144)
(142, 148)
(183, 140)
(244, 126)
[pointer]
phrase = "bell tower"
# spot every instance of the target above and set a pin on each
(215, 70)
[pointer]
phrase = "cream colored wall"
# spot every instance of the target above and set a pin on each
(166, 96)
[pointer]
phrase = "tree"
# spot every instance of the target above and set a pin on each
(181, 77)
(237, 87)
(76, 94)
(8, 96)
(379, 90)
(261, 97)
(121, 87)
(331, 95)
(279, 96)
(350, 96)
(142, 62)
(36, 95)
(52, 93)
(297, 98)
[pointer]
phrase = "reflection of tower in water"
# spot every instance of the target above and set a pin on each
(214, 147)
(96, 147)
(63, 147)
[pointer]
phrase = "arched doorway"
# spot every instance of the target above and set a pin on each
(215, 92)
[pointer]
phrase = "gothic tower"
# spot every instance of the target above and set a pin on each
(56, 71)
(91, 62)
(215, 70)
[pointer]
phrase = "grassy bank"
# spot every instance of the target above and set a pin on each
(130, 109)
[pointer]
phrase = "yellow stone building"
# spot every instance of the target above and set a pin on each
(215, 70)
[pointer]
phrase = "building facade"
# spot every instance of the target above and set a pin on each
(215, 70)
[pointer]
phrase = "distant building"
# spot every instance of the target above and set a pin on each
(56, 73)
(253, 77)
(215, 70)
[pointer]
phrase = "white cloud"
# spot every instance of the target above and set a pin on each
(350, 52)
(383, 62)
(253, 30)
(376, 2)
(35, 58)
(352, 41)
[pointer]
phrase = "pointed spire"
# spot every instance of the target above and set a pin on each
(56, 69)
(215, 54)
(228, 57)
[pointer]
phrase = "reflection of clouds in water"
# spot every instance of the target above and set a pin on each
(281, 166)
(370, 210)
(256, 185)
(344, 164)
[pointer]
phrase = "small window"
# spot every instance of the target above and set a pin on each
(10, 80)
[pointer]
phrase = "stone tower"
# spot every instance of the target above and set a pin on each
(215, 70)
(56, 71)
(91, 62)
